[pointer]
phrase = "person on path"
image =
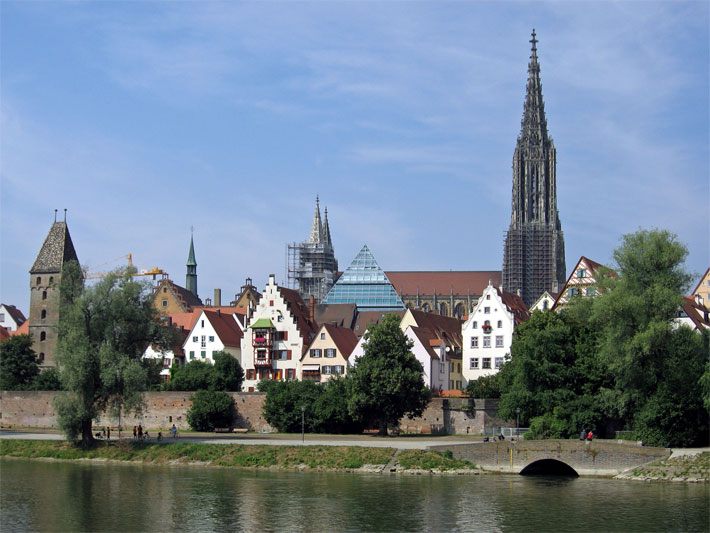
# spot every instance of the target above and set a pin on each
(173, 431)
(140, 432)
(583, 434)
(108, 433)
(135, 432)
(590, 436)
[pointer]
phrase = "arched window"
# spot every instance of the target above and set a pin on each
(426, 307)
(42, 336)
(44, 313)
(44, 295)
(443, 310)
(544, 305)
(51, 279)
(39, 280)
(459, 311)
(487, 323)
(500, 323)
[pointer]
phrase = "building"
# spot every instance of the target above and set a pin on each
(328, 354)
(278, 332)
(170, 355)
(214, 331)
(170, 298)
(248, 296)
(702, 289)
(45, 278)
(582, 282)
(191, 274)
(545, 302)
(449, 293)
(693, 313)
(534, 254)
(11, 318)
(312, 267)
(488, 332)
(365, 284)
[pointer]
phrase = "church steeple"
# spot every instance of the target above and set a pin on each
(316, 227)
(326, 230)
(191, 276)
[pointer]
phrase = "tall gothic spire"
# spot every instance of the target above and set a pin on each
(191, 276)
(326, 230)
(316, 227)
(533, 130)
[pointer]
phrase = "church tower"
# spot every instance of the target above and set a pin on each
(191, 276)
(45, 279)
(534, 256)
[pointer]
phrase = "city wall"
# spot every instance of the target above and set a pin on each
(163, 409)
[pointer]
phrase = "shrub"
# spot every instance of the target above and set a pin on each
(210, 410)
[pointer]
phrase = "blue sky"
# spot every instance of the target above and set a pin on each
(145, 119)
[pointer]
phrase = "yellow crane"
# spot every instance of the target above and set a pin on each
(154, 272)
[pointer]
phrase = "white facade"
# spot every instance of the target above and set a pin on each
(168, 358)
(433, 359)
(274, 350)
(203, 341)
(7, 320)
(487, 336)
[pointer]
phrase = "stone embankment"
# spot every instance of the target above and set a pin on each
(689, 466)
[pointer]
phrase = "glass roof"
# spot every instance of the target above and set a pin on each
(365, 284)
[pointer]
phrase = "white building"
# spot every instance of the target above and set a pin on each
(11, 318)
(488, 332)
(277, 334)
(212, 332)
(431, 352)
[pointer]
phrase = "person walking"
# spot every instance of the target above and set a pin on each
(140, 432)
(135, 432)
(590, 436)
(173, 431)
(583, 434)
(108, 433)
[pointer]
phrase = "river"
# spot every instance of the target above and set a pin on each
(71, 496)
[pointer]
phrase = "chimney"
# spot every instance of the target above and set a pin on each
(311, 308)
(219, 312)
(217, 297)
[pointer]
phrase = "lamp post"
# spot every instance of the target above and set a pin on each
(303, 426)
(517, 422)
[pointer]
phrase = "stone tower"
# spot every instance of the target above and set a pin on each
(534, 256)
(191, 276)
(45, 279)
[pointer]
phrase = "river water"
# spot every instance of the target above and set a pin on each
(63, 496)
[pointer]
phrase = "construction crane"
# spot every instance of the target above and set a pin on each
(154, 272)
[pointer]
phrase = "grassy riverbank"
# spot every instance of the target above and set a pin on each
(693, 468)
(315, 458)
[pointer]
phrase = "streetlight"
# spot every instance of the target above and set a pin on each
(517, 422)
(303, 426)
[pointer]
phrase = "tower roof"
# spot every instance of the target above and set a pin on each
(56, 250)
(533, 127)
(191, 256)
(326, 230)
(316, 227)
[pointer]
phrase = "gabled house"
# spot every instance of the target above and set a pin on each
(248, 296)
(212, 332)
(169, 355)
(545, 302)
(277, 334)
(488, 332)
(169, 298)
(11, 317)
(582, 282)
(693, 313)
(702, 289)
(328, 354)
(430, 351)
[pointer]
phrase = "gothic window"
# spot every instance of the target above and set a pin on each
(426, 308)
(39, 280)
(443, 311)
(42, 336)
(459, 311)
(44, 314)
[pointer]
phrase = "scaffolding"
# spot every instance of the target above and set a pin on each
(311, 269)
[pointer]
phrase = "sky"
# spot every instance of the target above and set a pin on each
(149, 120)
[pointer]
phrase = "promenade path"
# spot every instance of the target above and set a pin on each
(412, 442)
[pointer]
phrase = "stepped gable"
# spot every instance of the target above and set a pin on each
(300, 312)
(345, 340)
(226, 328)
(443, 282)
(57, 249)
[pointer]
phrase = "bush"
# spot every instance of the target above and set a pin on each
(210, 410)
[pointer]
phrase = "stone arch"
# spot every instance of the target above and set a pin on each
(548, 467)
(459, 310)
(443, 309)
(425, 307)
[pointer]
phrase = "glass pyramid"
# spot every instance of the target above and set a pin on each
(365, 284)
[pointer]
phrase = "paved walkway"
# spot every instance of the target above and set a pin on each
(404, 443)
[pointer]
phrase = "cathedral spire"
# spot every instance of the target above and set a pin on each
(317, 227)
(326, 230)
(191, 276)
(533, 127)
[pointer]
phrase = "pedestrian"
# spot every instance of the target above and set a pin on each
(583, 434)
(135, 432)
(108, 433)
(590, 436)
(103, 432)
(173, 431)
(160, 436)
(140, 432)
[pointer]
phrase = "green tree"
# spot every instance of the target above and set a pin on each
(47, 379)
(387, 382)
(283, 403)
(210, 410)
(103, 332)
(484, 387)
(18, 363)
(228, 373)
(330, 411)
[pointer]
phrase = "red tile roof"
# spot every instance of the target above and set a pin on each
(443, 282)
(426, 337)
(24, 329)
(4, 334)
(345, 340)
(226, 328)
(186, 320)
(515, 305)
(300, 312)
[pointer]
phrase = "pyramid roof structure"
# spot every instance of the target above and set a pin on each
(364, 283)
(57, 249)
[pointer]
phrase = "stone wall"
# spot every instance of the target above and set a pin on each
(163, 409)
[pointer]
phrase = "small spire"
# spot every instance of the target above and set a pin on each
(55, 215)
(326, 229)
(316, 227)
(65, 214)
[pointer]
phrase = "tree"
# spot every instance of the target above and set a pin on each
(387, 382)
(226, 375)
(18, 363)
(103, 332)
(48, 379)
(283, 403)
(484, 387)
(210, 410)
(330, 411)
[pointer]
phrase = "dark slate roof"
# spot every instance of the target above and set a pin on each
(15, 313)
(342, 315)
(56, 250)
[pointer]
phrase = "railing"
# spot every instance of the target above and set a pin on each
(262, 361)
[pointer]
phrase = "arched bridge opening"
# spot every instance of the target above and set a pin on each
(549, 467)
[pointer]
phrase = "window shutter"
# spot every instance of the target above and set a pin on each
(285, 335)
(288, 355)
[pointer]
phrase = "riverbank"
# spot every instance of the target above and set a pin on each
(689, 468)
(247, 456)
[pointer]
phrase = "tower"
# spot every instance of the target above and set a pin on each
(534, 256)
(312, 265)
(45, 280)
(191, 276)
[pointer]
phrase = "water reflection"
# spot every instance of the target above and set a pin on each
(45, 496)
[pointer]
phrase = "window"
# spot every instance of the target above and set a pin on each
(44, 295)
(192, 355)
(165, 289)
(487, 310)
(475, 324)
(572, 291)
(333, 369)
(42, 336)
(2, 317)
(251, 373)
(42, 315)
(51, 279)
(544, 305)
(164, 303)
(290, 373)
(488, 296)
(486, 362)
(280, 355)
(582, 273)
(590, 291)
(203, 342)
(474, 342)
(442, 368)
(41, 357)
(211, 338)
(500, 323)
(203, 354)
(213, 352)
(315, 353)
(499, 362)
(499, 341)
(271, 303)
(322, 336)
(203, 324)
(486, 341)
(39, 280)
(474, 363)
(458, 365)
(195, 339)
(330, 352)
